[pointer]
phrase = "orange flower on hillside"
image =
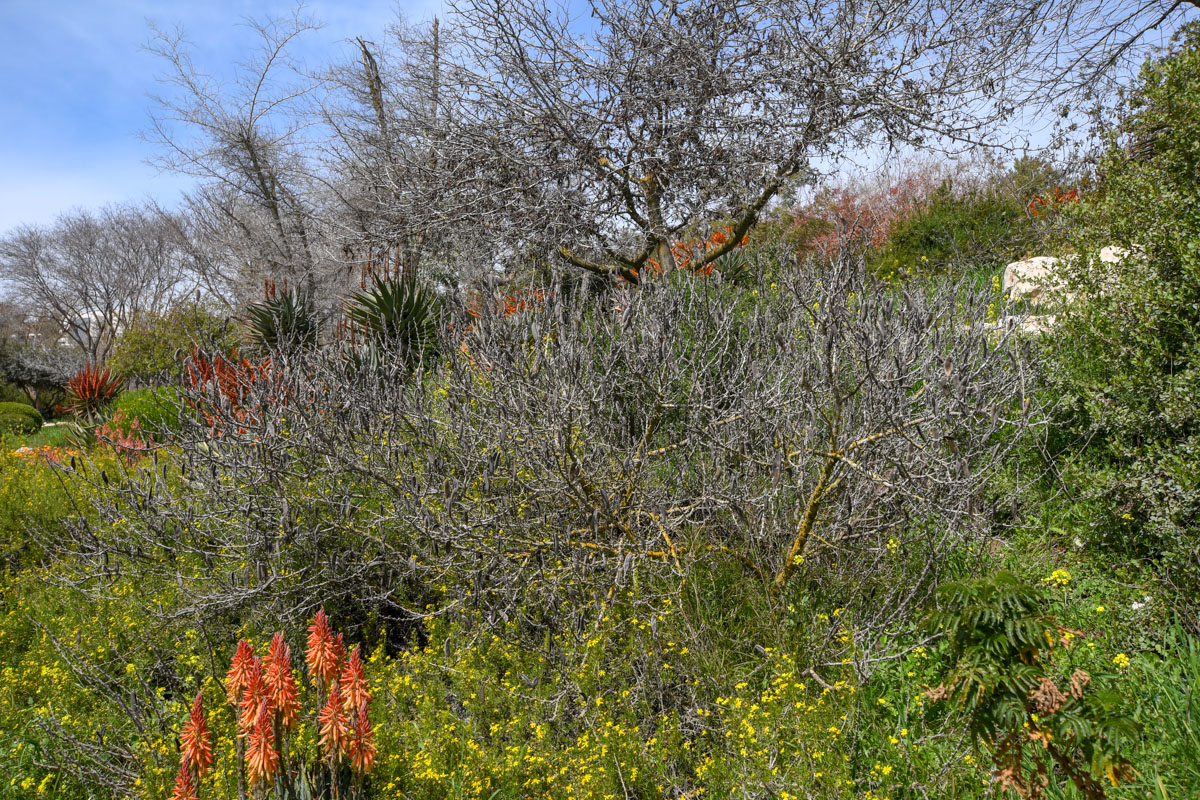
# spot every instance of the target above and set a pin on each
(196, 740)
(362, 744)
(261, 759)
(353, 682)
(254, 692)
(280, 685)
(323, 664)
(335, 732)
(185, 788)
(239, 671)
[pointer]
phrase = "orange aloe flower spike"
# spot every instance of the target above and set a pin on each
(355, 691)
(322, 664)
(239, 670)
(261, 759)
(280, 685)
(196, 740)
(362, 745)
(339, 654)
(335, 732)
(254, 692)
(185, 788)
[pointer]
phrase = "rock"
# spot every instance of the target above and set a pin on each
(1029, 280)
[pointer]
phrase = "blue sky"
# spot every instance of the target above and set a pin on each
(74, 86)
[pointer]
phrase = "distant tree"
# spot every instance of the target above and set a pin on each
(252, 214)
(155, 346)
(38, 370)
(93, 273)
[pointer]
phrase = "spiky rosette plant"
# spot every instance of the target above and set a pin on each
(91, 389)
(268, 702)
(284, 323)
(398, 317)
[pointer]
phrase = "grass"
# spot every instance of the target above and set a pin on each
(49, 436)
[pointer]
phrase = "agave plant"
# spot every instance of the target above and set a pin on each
(398, 315)
(286, 323)
(89, 390)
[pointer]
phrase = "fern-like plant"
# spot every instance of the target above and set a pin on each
(398, 316)
(284, 323)
(1011, 671)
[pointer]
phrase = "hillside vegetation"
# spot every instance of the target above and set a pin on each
(799, 521)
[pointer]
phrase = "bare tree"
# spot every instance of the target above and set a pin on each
(247, 143)
(608, 137)
(94, 273)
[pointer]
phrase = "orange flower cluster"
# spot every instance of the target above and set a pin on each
(685, 253)
(515, 303)
(267, 699)
(196, 739)
(230, 379)
(55, 455)
(1045, 203)
(197, 752)
(345, 729)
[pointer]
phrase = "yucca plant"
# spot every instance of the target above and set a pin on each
(90, 389)
(284, 323)
(398, 316)
(1011, 671)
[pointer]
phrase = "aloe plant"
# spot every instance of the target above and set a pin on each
(398, 315)
(91, 389)
(286, 322)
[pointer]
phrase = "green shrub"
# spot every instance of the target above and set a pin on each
(17, 423)
(153, 349)
(156, 411)
(22, 409)
(977, 229)
(1027, 699)
(1126, 360)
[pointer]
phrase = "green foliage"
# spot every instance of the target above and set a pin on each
(978, 229)
(1007, 656)
(156, 411)
(153, 349)
(398, 316)
(285, 323)
(17, 423)
(1128, 357)
(1170, 717)
(33, 416)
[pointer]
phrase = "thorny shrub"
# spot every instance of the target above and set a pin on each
(812, 425)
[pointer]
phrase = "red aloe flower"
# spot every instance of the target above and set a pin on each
(261, 759)
(322, 662)
(362, 745)
(354, 683)
(335, 732)
(89, 389)
(280, 685)
(254, 692)
(196, 740)
(239, 671)
(185, 788)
